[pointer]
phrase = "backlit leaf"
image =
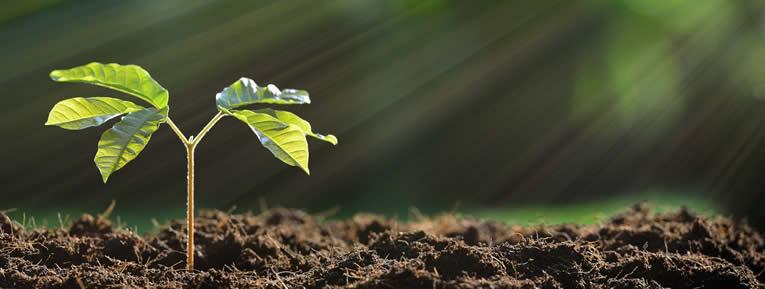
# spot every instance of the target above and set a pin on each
(286, 141)
(292, 118)
(130, 79)
(80, 112)
(122, 143)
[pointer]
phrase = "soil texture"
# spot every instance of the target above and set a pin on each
(282, 248)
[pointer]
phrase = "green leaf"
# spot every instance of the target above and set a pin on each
(79, 112)
(244, 92)
(286, 141)
(291, 118)
(130, 79)
(122, 143)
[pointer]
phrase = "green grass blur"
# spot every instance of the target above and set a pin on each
(594, 211)
(144, 220)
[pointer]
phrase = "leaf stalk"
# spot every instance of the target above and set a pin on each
(177, 131)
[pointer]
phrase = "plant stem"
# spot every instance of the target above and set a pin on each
(207, 128)
(191, 146)
(177, 131)
(190, 206)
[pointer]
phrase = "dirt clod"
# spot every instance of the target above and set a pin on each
(87, 225)
(283, 248)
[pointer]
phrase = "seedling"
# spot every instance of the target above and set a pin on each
(281, 132)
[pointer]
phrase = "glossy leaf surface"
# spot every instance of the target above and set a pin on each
(245, 92)
(81, 112)
(130, 79)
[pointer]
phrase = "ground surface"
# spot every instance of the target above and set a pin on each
(290, 249)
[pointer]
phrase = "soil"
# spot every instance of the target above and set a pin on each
(283, 248)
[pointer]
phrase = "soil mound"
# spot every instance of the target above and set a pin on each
(283, 248)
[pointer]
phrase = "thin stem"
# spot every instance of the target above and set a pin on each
(177, 131)
(207, 128)
(191, 146)
(190, 206)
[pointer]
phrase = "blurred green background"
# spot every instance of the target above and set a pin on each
(526, 111)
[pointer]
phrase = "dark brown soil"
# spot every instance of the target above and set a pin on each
(290, 249)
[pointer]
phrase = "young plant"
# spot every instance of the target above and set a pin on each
(281, 132)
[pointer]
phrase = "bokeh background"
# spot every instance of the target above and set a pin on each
(527, 110)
